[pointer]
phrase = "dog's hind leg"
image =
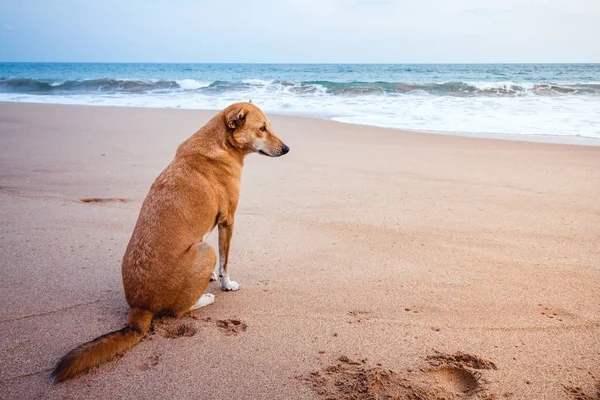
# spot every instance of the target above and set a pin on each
(192, 294)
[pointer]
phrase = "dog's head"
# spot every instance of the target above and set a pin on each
(250, 130)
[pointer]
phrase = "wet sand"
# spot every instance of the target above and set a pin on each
(468, 267)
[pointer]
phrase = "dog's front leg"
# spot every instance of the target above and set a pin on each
(225, 233)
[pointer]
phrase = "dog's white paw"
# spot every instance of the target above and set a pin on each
(204, 300)
(214, 276)
(228, 285)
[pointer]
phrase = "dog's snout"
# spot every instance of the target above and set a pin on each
(285, 149)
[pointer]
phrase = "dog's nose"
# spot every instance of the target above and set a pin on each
(285, 149)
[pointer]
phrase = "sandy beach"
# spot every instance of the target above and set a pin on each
(372, 262)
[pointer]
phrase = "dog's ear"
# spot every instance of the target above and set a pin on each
(236, 117)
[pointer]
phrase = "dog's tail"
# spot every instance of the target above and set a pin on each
(102, 349)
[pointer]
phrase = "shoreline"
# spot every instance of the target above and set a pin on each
(457, 263)
(530, 138)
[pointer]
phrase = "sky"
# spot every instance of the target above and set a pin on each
(300, 31)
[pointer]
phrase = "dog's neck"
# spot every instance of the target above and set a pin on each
(211, 142)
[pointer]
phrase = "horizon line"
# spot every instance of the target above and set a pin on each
(294, 63)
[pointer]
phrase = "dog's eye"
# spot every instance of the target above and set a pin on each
(263, 128)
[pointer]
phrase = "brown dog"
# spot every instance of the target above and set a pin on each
(167, 264)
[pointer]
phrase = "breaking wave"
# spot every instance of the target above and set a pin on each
(306, 88)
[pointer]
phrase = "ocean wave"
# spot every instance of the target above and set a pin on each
(564, 116)
(305, 88)
(191, 84)
(257, 82)
(459, 89)
(28, 85)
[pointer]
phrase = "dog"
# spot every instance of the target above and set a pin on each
(167, 264)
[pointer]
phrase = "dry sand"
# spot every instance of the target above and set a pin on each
(372, 262)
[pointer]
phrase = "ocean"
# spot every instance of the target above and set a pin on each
(515, 100)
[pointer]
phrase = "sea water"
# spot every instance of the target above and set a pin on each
(522, 100)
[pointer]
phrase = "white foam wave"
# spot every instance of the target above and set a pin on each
(258, 82)
(191, 84)
(502, 85)
(560, 116)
